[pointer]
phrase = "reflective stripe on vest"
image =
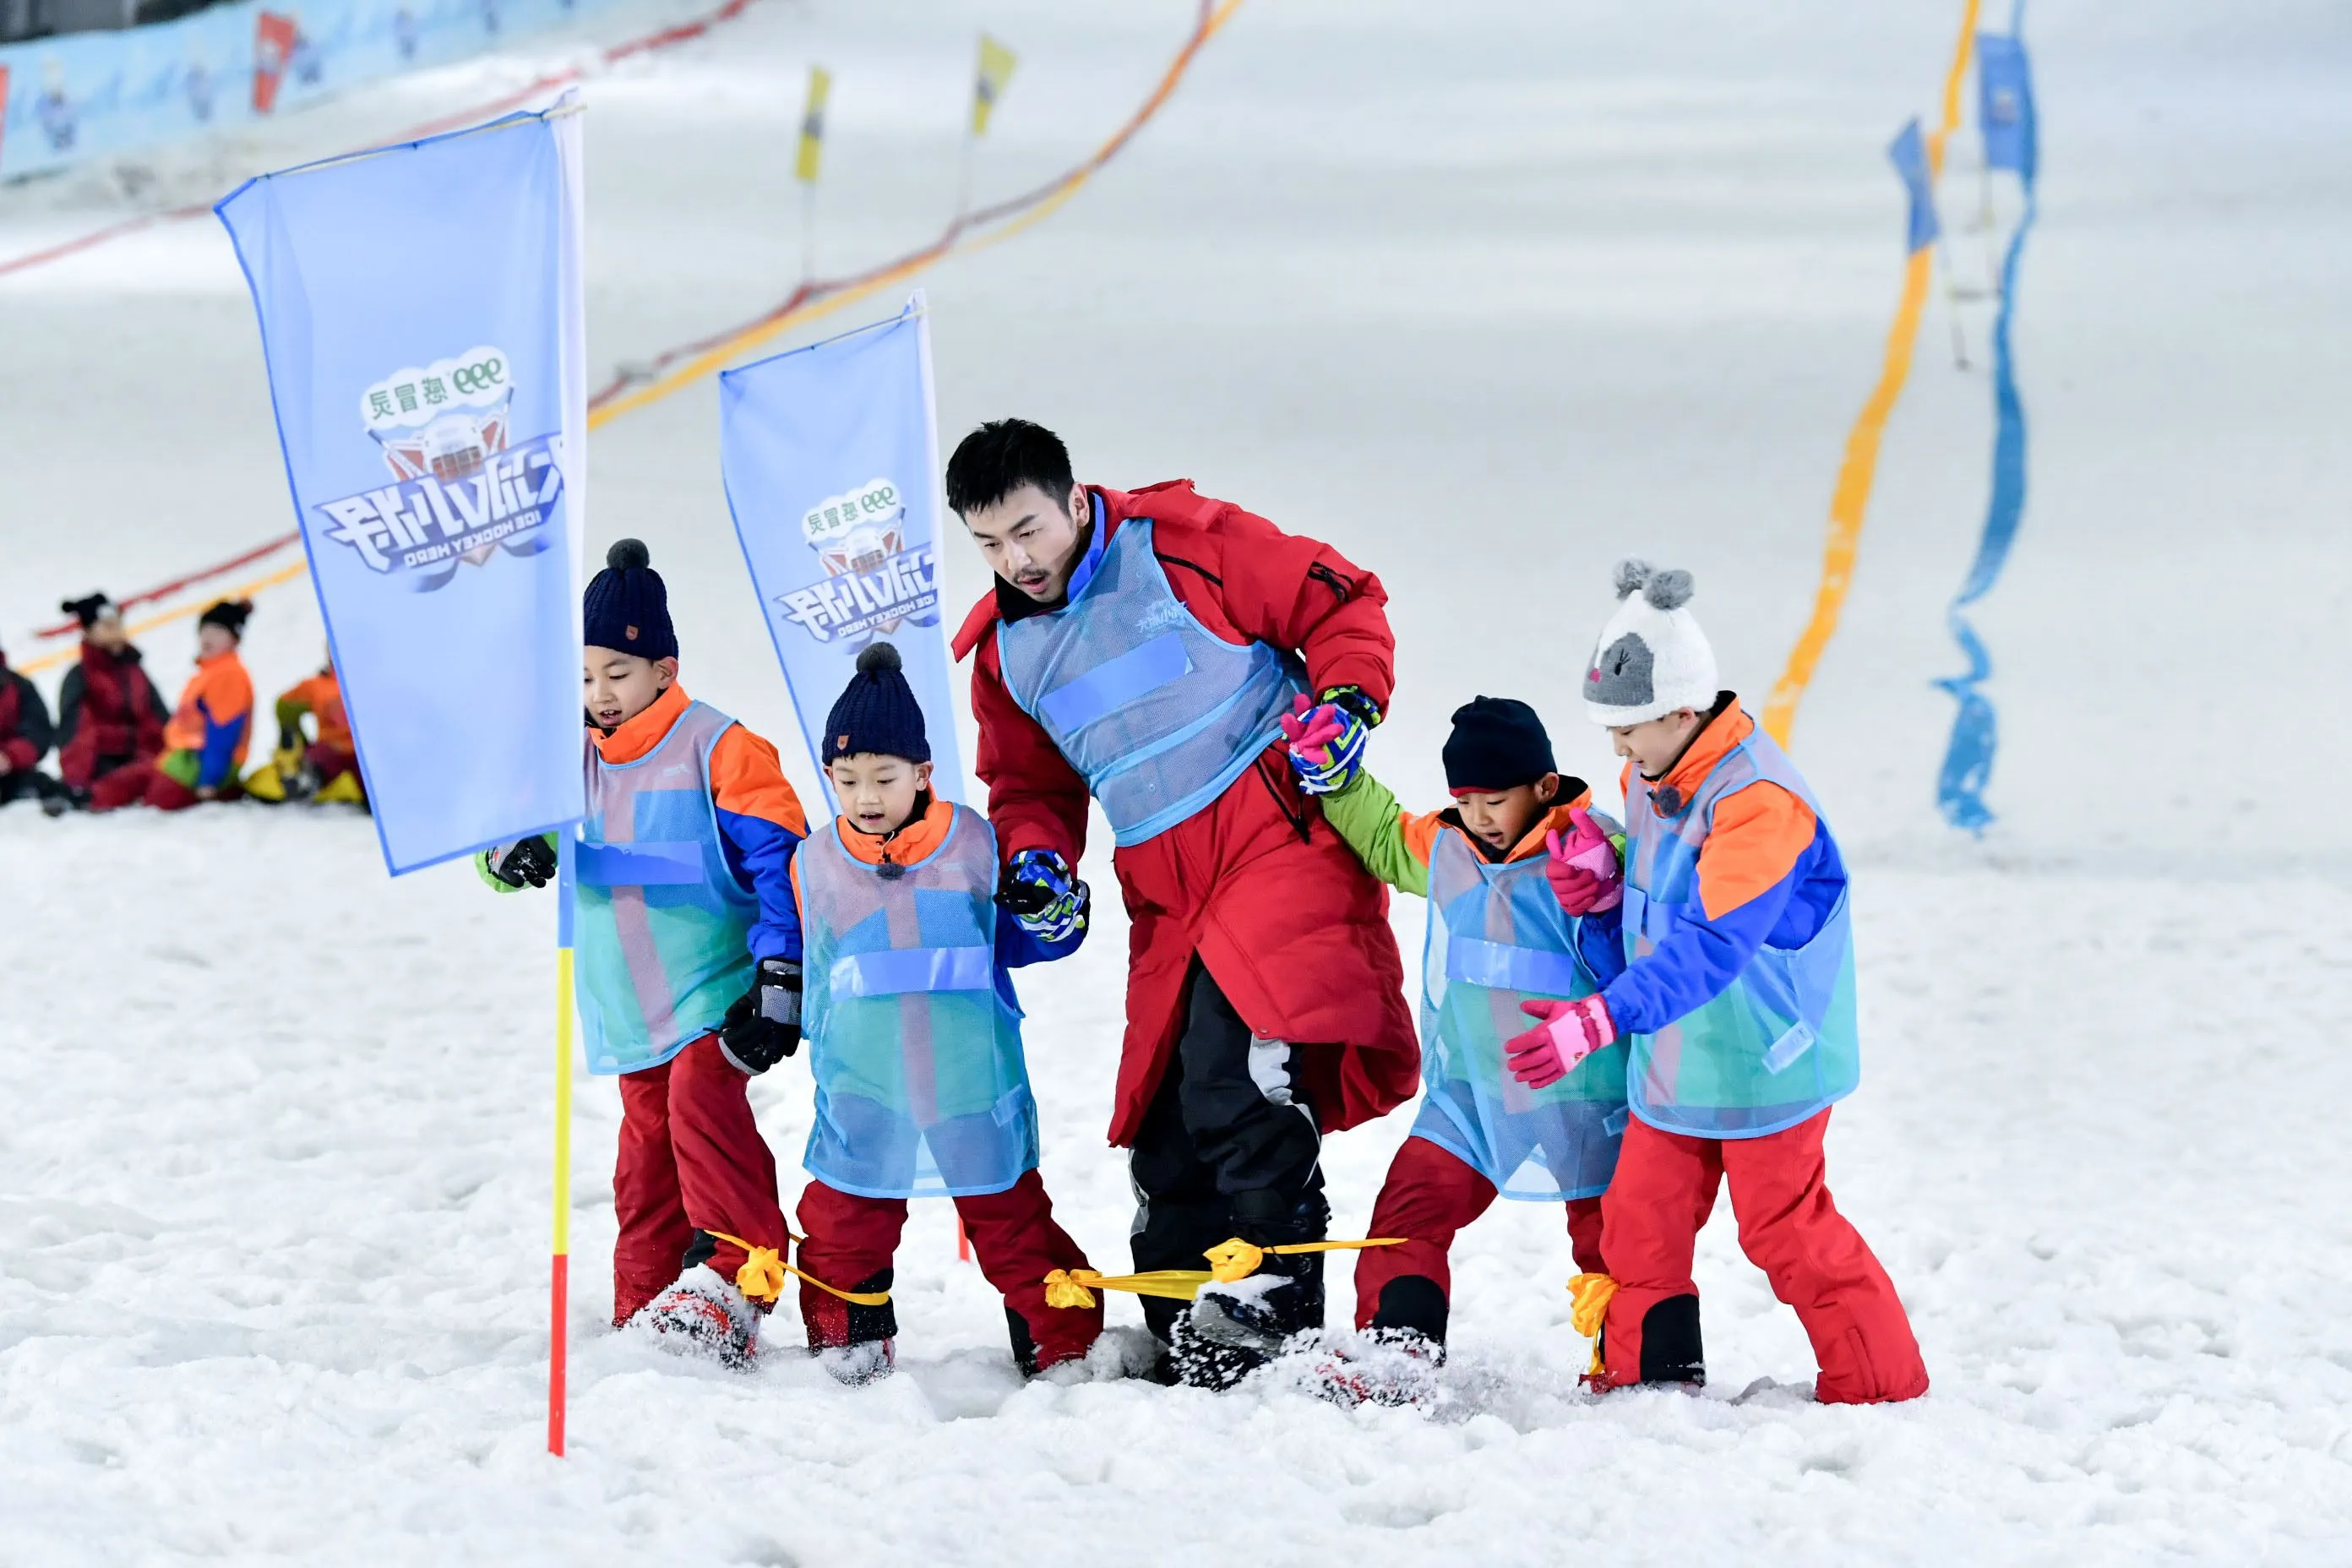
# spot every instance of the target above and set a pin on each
(920, 1087)
(662, 926)
(1157, 714)
(1497, 938)
(1779, 1045)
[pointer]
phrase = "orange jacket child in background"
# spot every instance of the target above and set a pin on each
(687, 973)
(205, 738)
(324, 768)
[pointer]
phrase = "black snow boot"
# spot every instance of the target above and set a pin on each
(1233, 1329)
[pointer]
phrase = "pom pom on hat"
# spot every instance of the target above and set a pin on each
(876, 712)
(627, 607)
(1652, 658)
(87, 610)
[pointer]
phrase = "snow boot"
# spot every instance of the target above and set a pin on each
(703, 1314)
(1234, 1329)
(344, 789)
(855, 1366)
(1384, 1366)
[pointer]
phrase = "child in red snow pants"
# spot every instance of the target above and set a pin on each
(1428, 1197)
(691, 1161)
(1818, 1263)
(851, 1240)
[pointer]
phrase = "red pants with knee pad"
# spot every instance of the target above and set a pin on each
(852, 1240)
(1429, 1195)
(691, 1160)
(1818, 1263)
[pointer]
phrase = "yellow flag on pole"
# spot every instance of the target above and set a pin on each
(813, 125)
(996, 63)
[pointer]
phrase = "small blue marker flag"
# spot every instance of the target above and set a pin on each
(2005, 103)
(420, 311)
(1909, 151)
(831, 457)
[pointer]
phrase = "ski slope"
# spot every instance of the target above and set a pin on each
(1487, 295)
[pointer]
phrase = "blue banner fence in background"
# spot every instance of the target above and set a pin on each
(830, 455)
(2006, 117)
(421, 318)
(79, 96)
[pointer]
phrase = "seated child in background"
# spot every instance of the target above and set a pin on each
(205, 738)
(24, 739)
(1504, 926)
(687, 950)
(1737, 1001)
(110, 718)
(325, 768)
(915, 1042)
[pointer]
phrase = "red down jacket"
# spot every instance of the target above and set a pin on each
(1286, 919)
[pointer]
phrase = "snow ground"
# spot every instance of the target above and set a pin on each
(1487, 295)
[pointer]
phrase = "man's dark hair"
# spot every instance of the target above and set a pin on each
(1000, 457)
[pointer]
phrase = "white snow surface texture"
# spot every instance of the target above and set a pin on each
(1487, 295)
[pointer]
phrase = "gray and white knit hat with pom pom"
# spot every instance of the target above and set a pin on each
(1652, 658)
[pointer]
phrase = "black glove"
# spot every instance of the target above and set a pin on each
(525, 862)
(763, 1026)
(1351, 699)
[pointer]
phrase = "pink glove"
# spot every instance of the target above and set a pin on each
(1571, 1032)
(1585, 876)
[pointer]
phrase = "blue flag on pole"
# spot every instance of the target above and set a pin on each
(2005, 103)
(1909, 151)
(1967, 769)
(420, 310)
(830, 455)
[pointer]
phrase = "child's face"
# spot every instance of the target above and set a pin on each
(1501, 817)
(107, 631)
(212, 641)
(1653, 744)
(616, 687)
(877, 791)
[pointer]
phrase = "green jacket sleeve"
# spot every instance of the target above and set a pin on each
(1366, 815)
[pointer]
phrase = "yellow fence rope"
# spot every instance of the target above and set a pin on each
(1859, 470)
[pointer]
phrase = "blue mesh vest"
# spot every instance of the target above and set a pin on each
(920, 1087)
(1779, 1044)
(1497, 938)
(661, 925)
(1157, 714)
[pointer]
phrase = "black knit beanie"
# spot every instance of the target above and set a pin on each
(627, 607)
(876, 712)
(229, 615)
(1498, 743)
(87, 609)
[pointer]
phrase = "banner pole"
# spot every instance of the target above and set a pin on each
(560, 1273)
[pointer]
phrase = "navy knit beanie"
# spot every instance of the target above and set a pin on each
(626, 608)
(876, 712)
(1498, 743)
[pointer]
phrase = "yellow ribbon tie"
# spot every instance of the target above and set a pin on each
(761, 1277)
(1230, 1260)
(1593, 1293)
(1238, 1259)
(1077, 1286)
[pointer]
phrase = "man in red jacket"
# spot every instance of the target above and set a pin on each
(1143, 648)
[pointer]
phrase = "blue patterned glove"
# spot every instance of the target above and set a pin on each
(1327, 739)
(1039, 891)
